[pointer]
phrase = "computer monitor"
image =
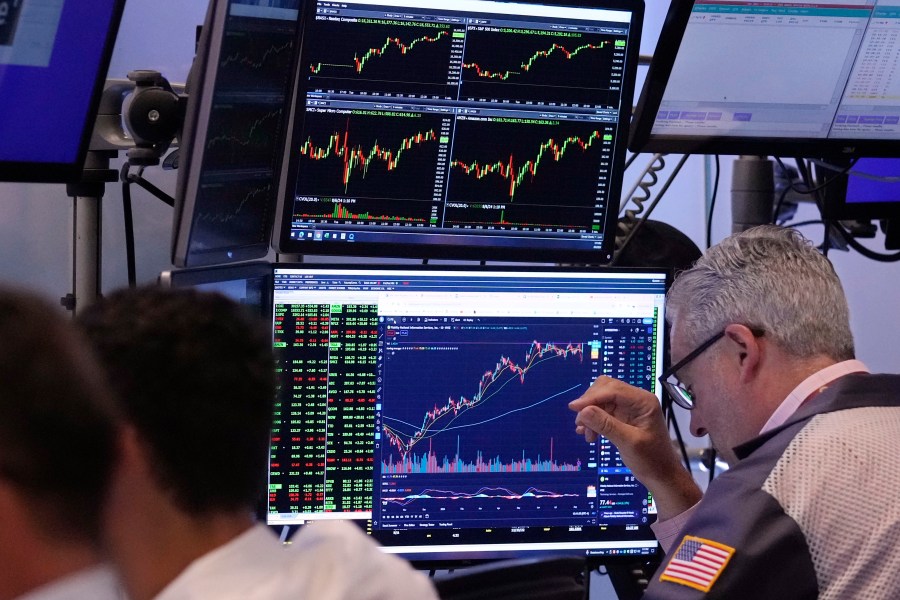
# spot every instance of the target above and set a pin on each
(869, 190)
(249, 284)
(48, 100)
(799, 78)
(231, 145)
(473, 129)
(430, 405)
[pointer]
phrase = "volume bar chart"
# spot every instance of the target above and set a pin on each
(429, 463)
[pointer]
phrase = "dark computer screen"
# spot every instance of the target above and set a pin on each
(231, 147)
(804, 78)
(249, 284)
(53, 61)
(430, 405)
(459, 129)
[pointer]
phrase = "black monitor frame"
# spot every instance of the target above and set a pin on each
(457, 242)
(238, 91)
(428, 551)
(68, 171)
(642, 138)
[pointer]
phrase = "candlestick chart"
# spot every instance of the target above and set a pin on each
(540, 176)
(380, 51)
(489, 407)
(368, 168)
(578, 68)
(476, 419)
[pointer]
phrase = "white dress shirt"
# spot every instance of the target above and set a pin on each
(328, 560)
(98, 583)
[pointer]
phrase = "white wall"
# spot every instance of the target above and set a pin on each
(36, 221)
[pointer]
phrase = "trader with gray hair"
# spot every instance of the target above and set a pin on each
(762, 356)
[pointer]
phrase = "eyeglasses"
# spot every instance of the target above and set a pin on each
(680, 394)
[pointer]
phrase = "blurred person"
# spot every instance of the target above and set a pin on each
(763, 357)
(57, 449)
(195, 377)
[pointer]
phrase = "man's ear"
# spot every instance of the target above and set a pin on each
(746, 348)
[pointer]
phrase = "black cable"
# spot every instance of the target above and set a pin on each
(840, 229)
(630, 160)
(807, 178)
(804, 223)
(814, 190)
(129, 225)
(712, 464)
(851, 241)
(646, 214)
(779, 204)
(712, 205)
(138, 179)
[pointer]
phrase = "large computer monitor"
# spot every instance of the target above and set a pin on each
(802, 78)
(430, 405)
(231, 145)
(475, 129)
(53, 61)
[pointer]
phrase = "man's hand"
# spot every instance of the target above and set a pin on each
(631, 419)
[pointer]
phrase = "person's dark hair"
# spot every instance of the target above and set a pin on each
(195, 375)
(57, 418)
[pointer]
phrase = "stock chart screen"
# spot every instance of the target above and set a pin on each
(240, 87)
(432, 407)
(489, 126)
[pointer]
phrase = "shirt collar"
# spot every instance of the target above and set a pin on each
(810, 386)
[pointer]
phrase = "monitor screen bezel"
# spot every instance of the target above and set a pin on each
(447, 559)
(642, 139)
(201, 90)
(72, 171)
(448, 244)
(213, 277)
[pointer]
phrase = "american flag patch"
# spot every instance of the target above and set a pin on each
(697, 563)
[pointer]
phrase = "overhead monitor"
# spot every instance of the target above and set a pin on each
(808, 78)
(231, 146)
(430, 405)
(48, 101)
(473, 129)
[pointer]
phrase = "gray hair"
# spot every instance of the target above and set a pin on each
(768, 277)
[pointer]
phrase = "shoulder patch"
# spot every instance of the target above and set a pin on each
(697, 563)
